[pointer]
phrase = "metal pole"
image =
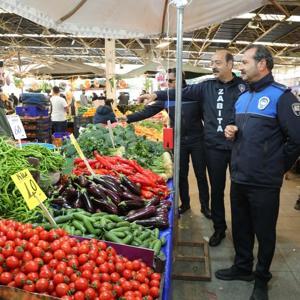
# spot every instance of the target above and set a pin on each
(180, 11)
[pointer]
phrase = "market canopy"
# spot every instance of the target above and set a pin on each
(151, 68)
(127, 18)
(63, 69)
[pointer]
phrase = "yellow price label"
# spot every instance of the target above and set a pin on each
(28, 187)
(77, 147)
(79, 151)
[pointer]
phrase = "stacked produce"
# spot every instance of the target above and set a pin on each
(150, 183)
(115, 196)
(147, 153)
(52, 263)
(13, 160)
(150, 133)
(109, 227)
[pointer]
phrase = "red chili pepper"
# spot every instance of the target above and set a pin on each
(147, 194)
(77, 160)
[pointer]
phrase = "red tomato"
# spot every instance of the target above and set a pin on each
(8, 250)
(61, 267)
(12, 262)
(62, 289)
(11, 235)
(156, 276)
(29, 287)
(105, 277)
(79, 295)
(34, 239)
(83, 258)
(100, 260)
(20, 279)
(155, 282)
(27, 256)
(81, 284)
(117, 289)
(106, 295)
(66, 247)
(39, 261)
(119, 267)
(141, 277)
(33, 276)
(86, 274)
(46, 273)
(42, 285)
(126, 286)
(135, 284)
(59, 254)
(129, 265)
(144, 289)
(136, 264)
(43, 245)
(47, 257)
(90, 294)
(19, 252)
(58, 278)
(69, 271)
(127, 274)
(83, 249)
(31, 266)
(154, 291)
(115, 277)
(44, 235)
(6, 278)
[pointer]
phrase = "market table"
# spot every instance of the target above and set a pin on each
(167, 249)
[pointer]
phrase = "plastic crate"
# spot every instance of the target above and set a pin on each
(59, 137)
(32, 111)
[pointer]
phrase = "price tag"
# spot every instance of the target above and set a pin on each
(16, 127)
(80, 153)
(28, 187)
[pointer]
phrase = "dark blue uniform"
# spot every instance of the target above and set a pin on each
(217, 100)
(191, 145)
(103, 114)
(266, 146)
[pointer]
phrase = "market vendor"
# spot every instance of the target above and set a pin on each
(4, 125)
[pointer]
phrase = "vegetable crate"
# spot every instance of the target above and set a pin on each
(32, 111)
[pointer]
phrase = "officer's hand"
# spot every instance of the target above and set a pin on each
(230, 132)
(146, 98)
(122, 119)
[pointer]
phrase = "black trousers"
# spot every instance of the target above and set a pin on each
(197, 153)
(60, 126)
(254, 212)
(217, 163)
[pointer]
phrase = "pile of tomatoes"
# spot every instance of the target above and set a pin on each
(52, 263)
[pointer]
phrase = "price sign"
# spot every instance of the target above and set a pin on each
(80, 153)
(28, 187)
(16, 127)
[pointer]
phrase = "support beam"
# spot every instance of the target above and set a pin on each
(110, 58)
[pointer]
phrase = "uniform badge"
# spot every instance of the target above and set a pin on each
(242, 87)
(296, 109)
(263, 102)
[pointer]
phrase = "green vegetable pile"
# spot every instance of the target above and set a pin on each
(13, 160)
(96, 137)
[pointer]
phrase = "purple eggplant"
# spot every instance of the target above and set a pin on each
(78, 202)
(134, 188)
(129, 195)
(82, 181)
(112, 195)
(70, 194)
(106, 206)
(87, 202)
(131, 204)
(141, 213)
(154, 222)
(107, 185)
(59, 201)
(154, 201)
(167, 203)
(94, 191)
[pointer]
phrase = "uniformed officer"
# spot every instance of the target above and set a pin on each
(191, 144)
(216, 97)
(266, 144)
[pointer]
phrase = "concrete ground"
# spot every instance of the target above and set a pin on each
(285, 268)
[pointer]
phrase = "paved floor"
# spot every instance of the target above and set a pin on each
(285, 268)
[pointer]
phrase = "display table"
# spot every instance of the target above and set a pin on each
(167, 249)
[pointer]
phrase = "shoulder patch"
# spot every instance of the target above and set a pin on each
(296, 109)
(242, 87)
(263, 102)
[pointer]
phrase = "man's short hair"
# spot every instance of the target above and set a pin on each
(55, 90)
(173, 70)
(262, 52)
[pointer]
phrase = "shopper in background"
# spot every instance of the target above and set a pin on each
(191, 144)
(58, 111)
(4, 125)
(216, 97)
(14, 99)
(266, 144)
(104, 113)
(83, 99)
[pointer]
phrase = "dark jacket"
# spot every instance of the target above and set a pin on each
(191, 118)
(216, 99)
(103, 114)
(268, 140)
